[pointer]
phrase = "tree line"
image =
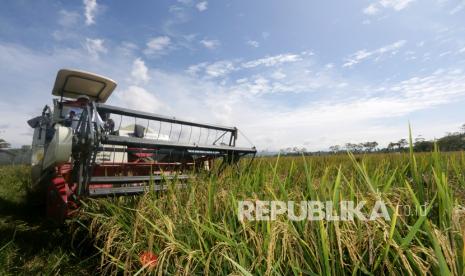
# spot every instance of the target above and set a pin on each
(451, 141)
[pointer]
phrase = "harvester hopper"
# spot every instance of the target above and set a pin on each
(83, 147)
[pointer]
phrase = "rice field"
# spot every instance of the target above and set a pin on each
(196, 230)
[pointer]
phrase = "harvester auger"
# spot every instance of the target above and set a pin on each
(85, 148)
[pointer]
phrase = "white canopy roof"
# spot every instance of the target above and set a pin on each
(74, 83)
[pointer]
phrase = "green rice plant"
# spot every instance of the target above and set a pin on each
(197, 230)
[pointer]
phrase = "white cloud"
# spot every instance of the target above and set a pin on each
(371, 9)
(157, 45)
(223, 68)
(357, 57)
(139, 71)
(358, 113)
(461, 51)
(95, 47)
(210, 44)
(439, 87)
(272, 61)
(212, 70)
(67, 18)
(139, 98)
(445, 53)
(358, 116)
(180, 15)
(258, 86)
(127, 48)
(396, 5)
(278, 75)
(282, 73)
(253, 43)
(457, 8)
(196, 68)
(292, 81)
(90, 9)
(361, 55)
(202, 6)
(220, 68)
(391, 47)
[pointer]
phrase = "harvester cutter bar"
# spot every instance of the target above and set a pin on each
(154, 150)
(150, 143)
(126, 179)
(128, 190)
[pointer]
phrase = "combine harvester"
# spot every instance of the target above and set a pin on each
(85, 148)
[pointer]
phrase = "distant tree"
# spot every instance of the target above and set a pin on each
(293, 151)
(335, 148)
(370, 146)
(452, 133)
(421, 145)
(462, 128)
(451, 142)
(419, 139)
(298, 150)
(402, 143)
(356, 148)
(351, 147)
(348, 146)
(392, 146)
(4, 144)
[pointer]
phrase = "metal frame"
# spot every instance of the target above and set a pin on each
(159, 144)
(90, 140)
(156, 117)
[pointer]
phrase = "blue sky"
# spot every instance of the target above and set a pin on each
(287, 73)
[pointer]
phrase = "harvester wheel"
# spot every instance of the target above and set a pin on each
(57, 199)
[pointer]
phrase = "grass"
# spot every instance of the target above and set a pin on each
(197, 231)
(29, 245)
